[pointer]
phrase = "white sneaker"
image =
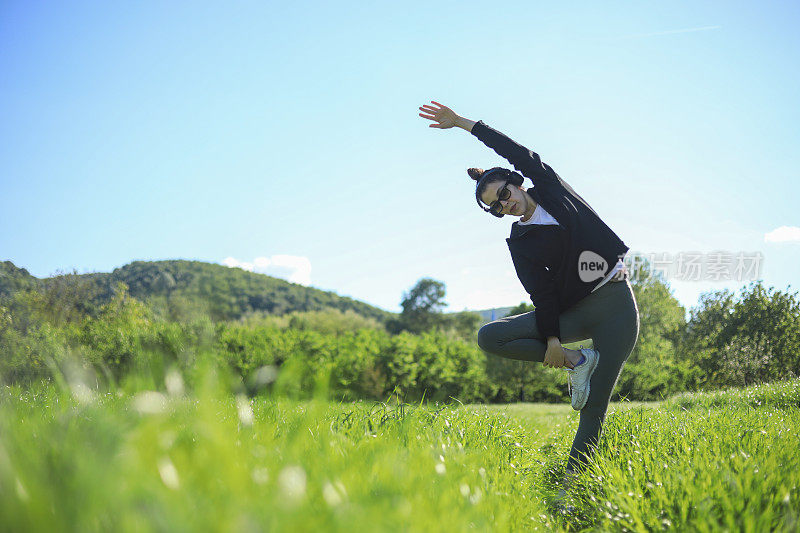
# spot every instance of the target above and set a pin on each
(578, 378)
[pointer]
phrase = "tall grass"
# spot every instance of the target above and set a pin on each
(208, 459)
(726, 461)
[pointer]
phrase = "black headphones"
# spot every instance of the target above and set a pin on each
(497, 173)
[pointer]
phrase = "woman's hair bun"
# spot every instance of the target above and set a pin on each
(475, 173)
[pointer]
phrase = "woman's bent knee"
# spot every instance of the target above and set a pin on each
(489, 337)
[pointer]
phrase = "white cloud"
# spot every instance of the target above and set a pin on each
(783, 234)
(294, 268)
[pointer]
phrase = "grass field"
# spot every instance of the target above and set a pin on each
(75, 460)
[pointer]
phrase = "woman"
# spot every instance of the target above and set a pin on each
(570, 262)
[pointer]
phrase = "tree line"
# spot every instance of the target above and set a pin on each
(65, 322)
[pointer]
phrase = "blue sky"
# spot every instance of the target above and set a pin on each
(284, 137)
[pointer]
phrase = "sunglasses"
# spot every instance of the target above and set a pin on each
(503, 194)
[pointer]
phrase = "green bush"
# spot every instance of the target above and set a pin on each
(29, 355)
(30, 346)
(742, 341)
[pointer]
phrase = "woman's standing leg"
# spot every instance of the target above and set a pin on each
(614, 336)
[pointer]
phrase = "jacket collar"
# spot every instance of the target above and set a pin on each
(519, 231)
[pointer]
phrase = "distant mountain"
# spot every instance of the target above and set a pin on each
(224, 293)
(13, 279)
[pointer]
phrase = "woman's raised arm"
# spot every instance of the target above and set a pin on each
(444, 117)
(524, 160)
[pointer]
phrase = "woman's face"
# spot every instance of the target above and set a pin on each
(516, 204)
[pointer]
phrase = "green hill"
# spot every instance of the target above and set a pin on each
(222, 292)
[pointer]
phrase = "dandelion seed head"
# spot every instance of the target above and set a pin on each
(264, 376)
(245, 410)
(150, 402)
(292, 481)
(82, 394)
(333, 493)
(174, 382)
(168, 473)
(476, 496)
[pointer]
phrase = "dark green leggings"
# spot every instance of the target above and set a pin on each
(609, 316)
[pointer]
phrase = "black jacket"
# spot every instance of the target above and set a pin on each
(557, 265)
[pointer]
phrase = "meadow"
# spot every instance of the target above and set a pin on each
(199, 455)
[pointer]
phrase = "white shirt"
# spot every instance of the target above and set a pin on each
(542, 217)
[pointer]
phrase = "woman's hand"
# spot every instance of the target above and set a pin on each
(444, 117)
(555, 357)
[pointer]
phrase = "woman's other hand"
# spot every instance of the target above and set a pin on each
(444, 117)
(555, 357)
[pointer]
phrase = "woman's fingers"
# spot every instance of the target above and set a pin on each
(553, 359)
(444, 117)
(432, 113)
(435, 110)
